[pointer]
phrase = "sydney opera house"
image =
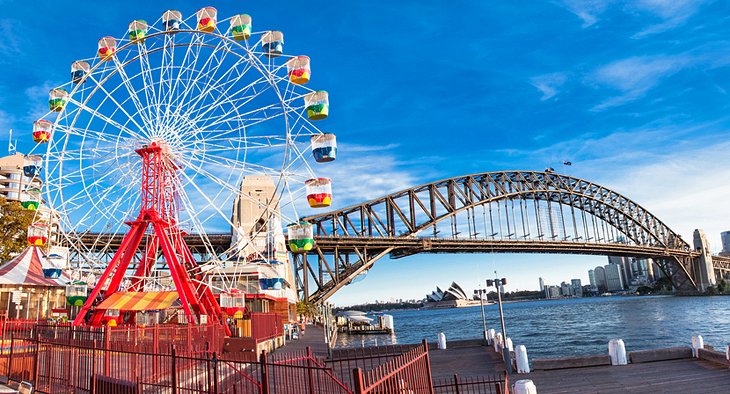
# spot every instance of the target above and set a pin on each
(453, 297)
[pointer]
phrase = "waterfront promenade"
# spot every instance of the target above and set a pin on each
(470, 359)
(313, 338)
(671, 376)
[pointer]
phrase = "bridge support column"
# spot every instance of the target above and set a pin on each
(703, 268)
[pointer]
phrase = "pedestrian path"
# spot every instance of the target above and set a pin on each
(313, 337)
(468, 358)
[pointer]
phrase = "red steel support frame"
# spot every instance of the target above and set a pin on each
(159, 211)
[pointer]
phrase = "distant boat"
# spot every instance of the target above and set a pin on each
(350, 313)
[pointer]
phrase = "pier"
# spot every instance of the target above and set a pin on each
(649, 371)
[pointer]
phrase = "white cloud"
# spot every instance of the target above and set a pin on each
(11, 45)
(671, 13)
(686, 190)
(670, 9)
(366, 176)
(635, 76)
(587, 10)
(37, 97)
(678, 173)
(548, 84)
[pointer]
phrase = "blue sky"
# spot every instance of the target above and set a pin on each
(635, 94)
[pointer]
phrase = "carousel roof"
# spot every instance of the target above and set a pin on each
(27, 269)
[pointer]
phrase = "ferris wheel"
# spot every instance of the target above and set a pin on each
(174, 117)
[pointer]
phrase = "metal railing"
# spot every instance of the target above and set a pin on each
(195, 339)
(62, 364)
(266, 325)
(407, 373)
(471, 385)
(62, 368)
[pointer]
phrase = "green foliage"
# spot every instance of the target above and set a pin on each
(644, 290)
(663, 284)
(722, 286)
(14, 222)
(306, 309)
(517, 295)
(384, 306)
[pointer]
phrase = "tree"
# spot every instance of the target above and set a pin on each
(14, 222)
(306, 309)
(722, 286)
(663, 284)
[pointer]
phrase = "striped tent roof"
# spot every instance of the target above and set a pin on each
(27, 269)
(139, 300)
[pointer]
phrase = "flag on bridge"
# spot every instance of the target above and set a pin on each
(567, 163)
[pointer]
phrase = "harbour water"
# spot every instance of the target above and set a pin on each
(579, 326)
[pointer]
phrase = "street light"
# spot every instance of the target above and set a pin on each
(481, 293)
(499, 283)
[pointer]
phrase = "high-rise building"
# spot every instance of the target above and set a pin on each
(552, 291)
(542, 284)
(600, 274)
(13, 180)
(614, 277)
(592, 278)
(576, 287)
(626, 266)
(20, 180)
(725, 237)
(565, 290)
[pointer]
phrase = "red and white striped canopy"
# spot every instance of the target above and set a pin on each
(27, 269)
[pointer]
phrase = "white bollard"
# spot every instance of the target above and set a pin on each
(523, 363)
(621, 353)
(697, 344)
(727, 354)
(490, 336)
(509, 344)
(498, 342)
(442, 341)
(525, 386)
(617, 352)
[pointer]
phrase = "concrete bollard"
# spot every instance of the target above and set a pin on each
(523, 363)
(617, 352)
(498, 342)
(509, 344)
(525, 386)
(697, 343)
(490, 336)
(442, 341)
(727, 354)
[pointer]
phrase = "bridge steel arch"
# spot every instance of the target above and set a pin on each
(529, 212)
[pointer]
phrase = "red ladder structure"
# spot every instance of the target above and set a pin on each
(158, 210)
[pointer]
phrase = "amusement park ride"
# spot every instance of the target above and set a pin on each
(158, 132)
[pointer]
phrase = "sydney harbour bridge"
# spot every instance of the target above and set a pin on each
(493, 212)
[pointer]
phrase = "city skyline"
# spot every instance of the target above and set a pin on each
(632, 95)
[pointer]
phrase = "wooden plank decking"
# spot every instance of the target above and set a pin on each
(690, 376)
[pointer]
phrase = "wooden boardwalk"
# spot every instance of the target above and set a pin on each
(690, 376)
(313, 337)
(467, 358)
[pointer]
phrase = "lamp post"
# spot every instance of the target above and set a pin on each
(481, 293)
(498, 283)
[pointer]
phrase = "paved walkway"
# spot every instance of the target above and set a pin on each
(467, 358)
(313, 337)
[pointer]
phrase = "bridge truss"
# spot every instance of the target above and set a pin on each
(505, 212)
